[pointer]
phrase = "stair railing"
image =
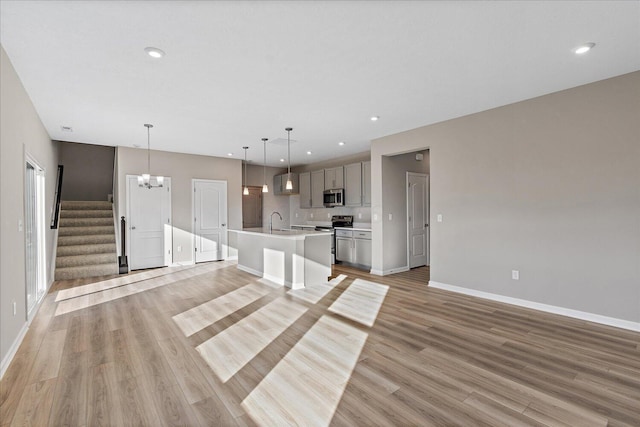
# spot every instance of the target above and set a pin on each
(56, 199)
(122, 259)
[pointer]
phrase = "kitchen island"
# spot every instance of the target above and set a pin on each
(292, 258)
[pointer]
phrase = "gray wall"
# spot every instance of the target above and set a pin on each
(88, 171)
(548, 186)
(182, 168)
(20, 131)
(394, 187)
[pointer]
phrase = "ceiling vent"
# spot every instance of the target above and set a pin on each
(281, 141)
(66, 128)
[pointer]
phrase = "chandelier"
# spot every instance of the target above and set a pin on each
(144, 180)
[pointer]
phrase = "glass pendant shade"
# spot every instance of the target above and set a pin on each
(265, 188)
(289, 185)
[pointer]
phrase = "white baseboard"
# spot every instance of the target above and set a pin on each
(249, 270)
(389, 271)
(13, 349)
(231, 258)
(576, 314)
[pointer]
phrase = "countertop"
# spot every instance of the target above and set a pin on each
(337, 228)
(281, 233)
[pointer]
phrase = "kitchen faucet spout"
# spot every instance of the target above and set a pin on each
(271, 220)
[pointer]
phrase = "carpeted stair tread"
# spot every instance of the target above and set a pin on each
(86, 240)
(68, 273)
(85, 205)
(85, 231)
(86, 222)
(96, 248)
(85, 260)
(86, 213)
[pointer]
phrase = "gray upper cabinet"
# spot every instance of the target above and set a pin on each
(353, 184)
(305, 190)
(317, 188)
(280, 182)
(334, 178)
(366, 183)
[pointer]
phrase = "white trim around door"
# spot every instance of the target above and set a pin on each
(417, 194)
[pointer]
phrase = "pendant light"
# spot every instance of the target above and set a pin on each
(144, 180)
(245, 192)
(265, 187)
(289, 185)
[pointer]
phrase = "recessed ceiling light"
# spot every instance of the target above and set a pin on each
(374, 118)
(154, 52)
(580, 50)
(229, 154)
(341, 143)
(308, 153)
(282, 160)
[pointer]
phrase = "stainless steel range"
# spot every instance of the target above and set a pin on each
(336, 221)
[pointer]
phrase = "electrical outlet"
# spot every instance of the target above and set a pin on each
(328, 215)
(439, 218)
(179, 248)
(15, 308)
(515, 274)
(311, 215)
(296, 214)
(375, 217)
(19, 225)
(359, 215)
(390, 217)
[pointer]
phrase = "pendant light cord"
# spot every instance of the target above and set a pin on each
(289, 151)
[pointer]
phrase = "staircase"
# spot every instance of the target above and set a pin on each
(86, 240)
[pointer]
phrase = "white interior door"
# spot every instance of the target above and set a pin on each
(418, 219)
(149, 220)
(210, 219)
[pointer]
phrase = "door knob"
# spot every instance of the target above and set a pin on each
(133, 228)
(224, 225)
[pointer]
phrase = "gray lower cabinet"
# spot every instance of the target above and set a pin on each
(354, 247)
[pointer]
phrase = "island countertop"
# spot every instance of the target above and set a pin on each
(281, 233)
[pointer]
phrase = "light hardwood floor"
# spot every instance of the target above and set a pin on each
(212, 345)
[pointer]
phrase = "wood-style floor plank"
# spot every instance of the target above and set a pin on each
(361, 350)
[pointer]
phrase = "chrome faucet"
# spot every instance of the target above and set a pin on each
(271, 220)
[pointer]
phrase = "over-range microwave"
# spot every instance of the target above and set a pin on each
(334, 197)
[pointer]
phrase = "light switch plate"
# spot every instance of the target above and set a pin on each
(439, 218)
(515, 274)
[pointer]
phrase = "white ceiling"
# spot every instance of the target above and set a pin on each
(235, 72)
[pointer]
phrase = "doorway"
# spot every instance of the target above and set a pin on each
(149, 214)
(252, 208)
(417, 219)
(209, 220)
(34, 232)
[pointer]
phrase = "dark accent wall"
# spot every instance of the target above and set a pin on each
(88, 171)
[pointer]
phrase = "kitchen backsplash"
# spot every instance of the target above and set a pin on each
(322, 216)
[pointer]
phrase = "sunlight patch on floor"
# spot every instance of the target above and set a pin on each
(227, 352)
(315, 293)
(96, 298)
(361, 301)
(203, 315)
(306, 386)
